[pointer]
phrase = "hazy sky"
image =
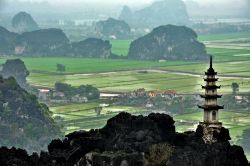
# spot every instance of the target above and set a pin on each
(115, 6)
(108, 2)
(129, 2)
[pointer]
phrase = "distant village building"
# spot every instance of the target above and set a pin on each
(151, 94)
(51, 96)
(149, 104)
(79, 99)
(211, 108)
(44, 94)
(140, 92)
(241, 99)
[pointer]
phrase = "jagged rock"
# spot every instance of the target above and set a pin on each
(217, 135)
(158, 13)
(111, 158)
(23, 22)
(136, 140)
(113, 29)
(170, 43)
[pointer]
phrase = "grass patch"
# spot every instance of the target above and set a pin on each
(120, 47)
(85, 65)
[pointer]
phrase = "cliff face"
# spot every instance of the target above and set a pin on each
(24, 122)
(134, 141)
(168, 42)
(159, 13)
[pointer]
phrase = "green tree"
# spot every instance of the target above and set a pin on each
(235, 87)
(60, 68)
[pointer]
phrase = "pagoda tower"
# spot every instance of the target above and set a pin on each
(211, 108)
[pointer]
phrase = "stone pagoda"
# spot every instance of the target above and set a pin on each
(211, 108)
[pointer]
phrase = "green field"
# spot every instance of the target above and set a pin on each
(83, 116)
(120, 47)
(84, 65)
(131, 80)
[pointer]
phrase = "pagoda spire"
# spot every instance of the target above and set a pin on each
(211, 61)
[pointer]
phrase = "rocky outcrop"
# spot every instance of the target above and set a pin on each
(41, 42)
(51, 42)
(170, 43)
(113, 29)
(135, 141)
(92, 48)
(159, 13)
(24, 123)
(17, 69)
(23, 22)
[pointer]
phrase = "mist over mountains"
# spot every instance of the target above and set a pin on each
(77, 9)
(219, 9)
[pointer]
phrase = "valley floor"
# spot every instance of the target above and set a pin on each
(232, 61)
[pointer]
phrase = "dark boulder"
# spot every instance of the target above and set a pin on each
(112, 158)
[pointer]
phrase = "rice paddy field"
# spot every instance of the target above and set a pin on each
(83, 116)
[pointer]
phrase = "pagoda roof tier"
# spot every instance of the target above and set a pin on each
(211, 87)
(211, 73)
(211, 79)
(211, 107)
(211, 96)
